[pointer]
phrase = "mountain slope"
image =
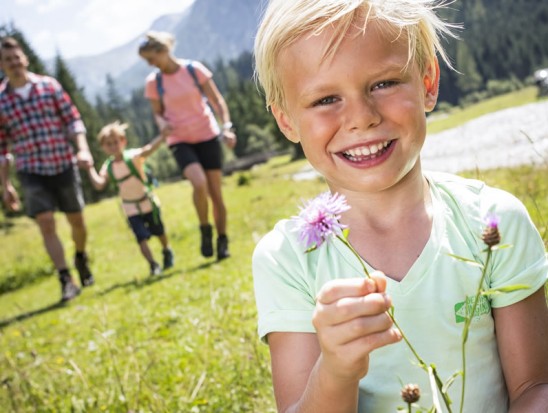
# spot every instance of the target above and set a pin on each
(206, 31)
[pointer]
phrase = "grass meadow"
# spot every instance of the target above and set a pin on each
(184, 341)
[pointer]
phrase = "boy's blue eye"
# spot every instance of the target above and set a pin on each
(325, 101)
(384, 84)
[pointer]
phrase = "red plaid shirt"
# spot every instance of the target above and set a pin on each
(38, 130)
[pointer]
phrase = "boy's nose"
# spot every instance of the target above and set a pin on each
(362, 114)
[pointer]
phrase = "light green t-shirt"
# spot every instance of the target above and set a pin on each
(429, 302)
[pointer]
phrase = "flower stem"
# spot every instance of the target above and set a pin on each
(468, 322)
(421, 362)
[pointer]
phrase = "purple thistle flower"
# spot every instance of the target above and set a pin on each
(319, 219)
(491, 220)
(491, 235)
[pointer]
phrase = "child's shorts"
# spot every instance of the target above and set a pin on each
(143, 226)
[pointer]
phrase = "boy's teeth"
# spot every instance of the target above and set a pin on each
(367, 150)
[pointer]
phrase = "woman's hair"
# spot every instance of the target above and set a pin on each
(112, 129)
(286, 21)
(157, 42)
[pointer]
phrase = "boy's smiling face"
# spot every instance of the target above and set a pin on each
(360, 116)
(114, 144)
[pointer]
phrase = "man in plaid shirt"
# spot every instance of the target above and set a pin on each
(38, 124)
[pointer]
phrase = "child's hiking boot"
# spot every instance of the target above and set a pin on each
(207, 240)
(222, 247)
(81, 264)
(168, 258)
(155, 268)
(69, 289)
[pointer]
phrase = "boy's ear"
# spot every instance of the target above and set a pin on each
(431, 81)
(284, 123)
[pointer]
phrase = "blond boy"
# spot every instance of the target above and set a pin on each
(141, 206)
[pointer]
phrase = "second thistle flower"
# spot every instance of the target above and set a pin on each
(491, 234)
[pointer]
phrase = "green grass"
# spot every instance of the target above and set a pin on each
(182, 342)
(185, 341)
(457, 116)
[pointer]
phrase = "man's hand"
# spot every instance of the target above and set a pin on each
(11, 199)
(84, 159)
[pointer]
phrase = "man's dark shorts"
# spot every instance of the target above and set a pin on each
(144, 226)
(209, 154)
(45, 193)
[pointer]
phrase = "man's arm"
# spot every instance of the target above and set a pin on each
(83, 154)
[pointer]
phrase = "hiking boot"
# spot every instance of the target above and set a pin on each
(69, 289)
(155, 268)
(222, 247)
(81, 264)
(207, 240)
(168, 258)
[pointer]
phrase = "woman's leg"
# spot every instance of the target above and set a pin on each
(214, 178)
(214, 182)
(197, 177)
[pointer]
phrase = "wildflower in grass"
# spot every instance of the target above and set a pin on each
(319, 219)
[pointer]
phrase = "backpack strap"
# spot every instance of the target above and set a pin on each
(160, 88)
(192, 72)
(131, 166)
(128, 160)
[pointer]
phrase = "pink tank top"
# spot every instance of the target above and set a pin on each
(184, 106)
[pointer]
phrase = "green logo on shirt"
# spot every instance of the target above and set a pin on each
(464, 308)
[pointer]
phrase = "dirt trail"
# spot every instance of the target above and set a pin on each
(509, 137)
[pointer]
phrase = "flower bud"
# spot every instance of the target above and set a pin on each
(491, 236)
(411, 393)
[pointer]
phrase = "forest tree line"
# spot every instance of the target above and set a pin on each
(502, 43)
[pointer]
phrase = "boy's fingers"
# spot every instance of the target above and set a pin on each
(380, 280)
(334, 290)
(350, 308)
(351, 287)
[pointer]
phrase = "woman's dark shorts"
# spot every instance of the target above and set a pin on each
(144, 226)
(44, 193)
(209, 154)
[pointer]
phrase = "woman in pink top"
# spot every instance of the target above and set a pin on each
(179, 95)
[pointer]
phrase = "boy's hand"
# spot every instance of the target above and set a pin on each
(351, 321)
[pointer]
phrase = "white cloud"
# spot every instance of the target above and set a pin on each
(84, 27)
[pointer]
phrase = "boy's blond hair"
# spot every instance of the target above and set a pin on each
(112, 129)
(157, 42)
(285, 21)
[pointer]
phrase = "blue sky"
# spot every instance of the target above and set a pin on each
(83, 27)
